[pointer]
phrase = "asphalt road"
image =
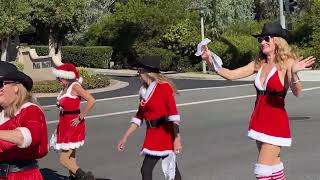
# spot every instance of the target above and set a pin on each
(215, 117)
(134, 85)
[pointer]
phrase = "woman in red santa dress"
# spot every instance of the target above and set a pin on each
(277, 68)
(23, 130)
(157, 109)
(71, 128)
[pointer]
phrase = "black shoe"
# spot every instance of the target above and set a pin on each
(72, 178)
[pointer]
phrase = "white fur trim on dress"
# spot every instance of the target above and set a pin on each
(136, 121)
(174, 118)
(149, 90)
(155, 153)
(67, 146)
(27, 138)
(64, 74)
(278, 141)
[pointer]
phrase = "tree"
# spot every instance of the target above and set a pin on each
(266, 9)
(138, 24)
(220, 14)
(94, 11)
(14, 20)
(59, 17)
(315, 23)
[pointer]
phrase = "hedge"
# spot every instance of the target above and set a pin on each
(93, 57)
(235, 50)
(89, 82)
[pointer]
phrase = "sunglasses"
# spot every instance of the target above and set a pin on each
(3, 83)
(264, 38)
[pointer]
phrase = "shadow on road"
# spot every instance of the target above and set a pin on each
(49, 174)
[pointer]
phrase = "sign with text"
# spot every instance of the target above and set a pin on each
(44, 64)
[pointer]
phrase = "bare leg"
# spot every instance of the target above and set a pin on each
(68, 161)
(269, 156)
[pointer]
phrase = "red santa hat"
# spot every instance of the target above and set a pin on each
(67, 71)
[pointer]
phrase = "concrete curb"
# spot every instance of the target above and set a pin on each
(114, 85)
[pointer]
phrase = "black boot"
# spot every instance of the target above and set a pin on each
(72, 178)
(81, 175)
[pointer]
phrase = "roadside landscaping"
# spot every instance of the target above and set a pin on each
(89, 82)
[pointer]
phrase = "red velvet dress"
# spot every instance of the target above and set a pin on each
(157, 102)
(69, 137)
(29, 117)
(269, 121)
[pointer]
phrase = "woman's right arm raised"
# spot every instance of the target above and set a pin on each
(238, 73)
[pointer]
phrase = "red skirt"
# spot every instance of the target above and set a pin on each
(269, 122)
(70, 137)
(158, 141)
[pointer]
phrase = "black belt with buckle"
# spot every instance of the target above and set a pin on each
(157, 122)
(62, 112)
(271, 93)
(16, 166)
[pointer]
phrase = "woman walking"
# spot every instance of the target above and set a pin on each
(157, 109)
(71, 128)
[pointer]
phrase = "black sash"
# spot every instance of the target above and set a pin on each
(157, 122)
(16, 166)
(271, 93)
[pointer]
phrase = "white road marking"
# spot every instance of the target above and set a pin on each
(180, 105)
(184, 90)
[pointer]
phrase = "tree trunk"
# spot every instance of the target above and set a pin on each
(59, 53)
(52, 44)
(4, 48)
(56, 58)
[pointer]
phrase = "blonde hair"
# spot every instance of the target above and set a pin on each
(161, 78)
(283, 52)
(23, 96)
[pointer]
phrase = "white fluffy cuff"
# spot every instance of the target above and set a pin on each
(262, 170)
(136, 121)
(174, 118)
(27, 138)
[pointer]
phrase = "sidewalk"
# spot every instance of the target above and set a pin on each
(313, 75)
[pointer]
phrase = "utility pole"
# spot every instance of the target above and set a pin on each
(204, 70)
(282, 17)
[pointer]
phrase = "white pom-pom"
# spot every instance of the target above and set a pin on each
(80, 80)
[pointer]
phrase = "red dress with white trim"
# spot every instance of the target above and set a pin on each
(269, 121)
(68, 136)
(30, 120)
(158, 101)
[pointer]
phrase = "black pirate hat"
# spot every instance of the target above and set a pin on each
(273, 29)
(20, 77)
(6, 68)
(151, 63)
